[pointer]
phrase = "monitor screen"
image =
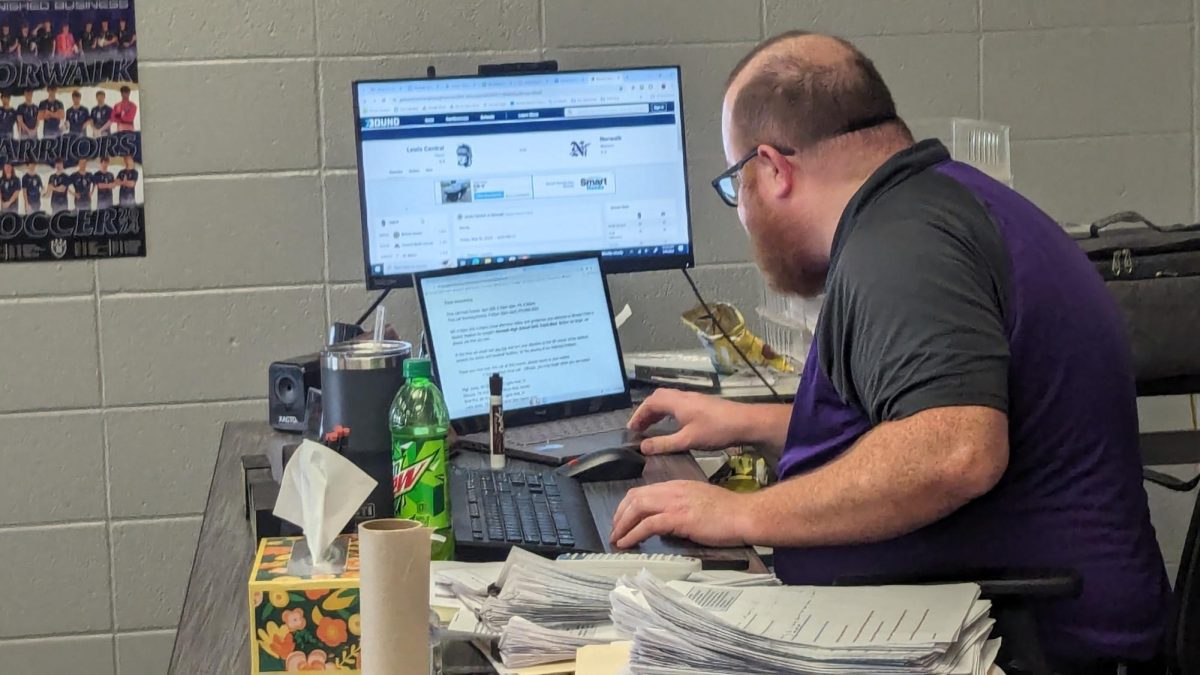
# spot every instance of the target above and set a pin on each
(467, 171)
(545, 327)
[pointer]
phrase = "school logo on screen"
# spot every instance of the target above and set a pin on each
(593, 183)
(579, 148)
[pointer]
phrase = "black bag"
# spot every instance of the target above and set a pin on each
(1154, 274)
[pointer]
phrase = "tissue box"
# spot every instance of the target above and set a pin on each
(302, 621)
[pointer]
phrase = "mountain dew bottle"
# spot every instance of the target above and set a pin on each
(419, 423)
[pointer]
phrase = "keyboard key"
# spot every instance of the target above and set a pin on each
(473, 509)
(545, 524)
(516, 478)
(534, 481)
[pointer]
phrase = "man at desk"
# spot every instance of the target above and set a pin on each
(968, 400)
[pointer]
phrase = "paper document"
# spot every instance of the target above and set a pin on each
(466, 623)
(840, 616)
(454, 585)
(525, 643)
(685, 627)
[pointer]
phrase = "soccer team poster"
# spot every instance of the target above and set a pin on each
(71, 184)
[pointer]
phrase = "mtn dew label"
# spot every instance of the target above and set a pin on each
(419, 488)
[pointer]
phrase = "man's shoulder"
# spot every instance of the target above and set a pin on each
(920, 216)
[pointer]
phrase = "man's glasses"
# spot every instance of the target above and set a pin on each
(728, 182)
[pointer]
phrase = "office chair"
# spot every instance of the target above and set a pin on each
(1014, 592)
(1182, 645)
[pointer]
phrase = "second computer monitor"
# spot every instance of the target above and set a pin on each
(455, 172)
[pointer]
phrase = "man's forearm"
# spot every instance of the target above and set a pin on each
(765, 426)
(898, 478)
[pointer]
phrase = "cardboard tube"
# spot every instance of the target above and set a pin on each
(394, 597)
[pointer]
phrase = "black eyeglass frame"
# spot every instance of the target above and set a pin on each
(731, 198)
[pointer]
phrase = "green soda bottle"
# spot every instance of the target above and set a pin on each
(419, 422)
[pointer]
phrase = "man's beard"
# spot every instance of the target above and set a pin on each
(783, 263)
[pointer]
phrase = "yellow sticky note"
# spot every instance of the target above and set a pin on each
(602, 659)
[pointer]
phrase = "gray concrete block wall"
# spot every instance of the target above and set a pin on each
(112, 402)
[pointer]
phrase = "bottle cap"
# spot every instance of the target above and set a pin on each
(495, 384)
(417, 368)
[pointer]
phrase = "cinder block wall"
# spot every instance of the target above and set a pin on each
(117, 375)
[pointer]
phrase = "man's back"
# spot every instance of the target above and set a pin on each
(1075, 465)
(1071, 495)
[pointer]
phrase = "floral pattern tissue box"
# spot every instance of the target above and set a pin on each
(300, 621)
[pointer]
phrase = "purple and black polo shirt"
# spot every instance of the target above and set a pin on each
(947, 288)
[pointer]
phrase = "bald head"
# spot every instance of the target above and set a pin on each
(798, 89)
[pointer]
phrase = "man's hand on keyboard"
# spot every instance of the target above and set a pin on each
(706, 514)
(705, 422)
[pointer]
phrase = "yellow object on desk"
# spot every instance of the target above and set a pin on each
(303, 621)
(606, 659)
(728, 326)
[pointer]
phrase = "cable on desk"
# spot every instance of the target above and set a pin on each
(709, 312)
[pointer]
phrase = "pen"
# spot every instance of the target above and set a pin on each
(496, 421)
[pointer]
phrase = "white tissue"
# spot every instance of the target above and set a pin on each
(320, 492)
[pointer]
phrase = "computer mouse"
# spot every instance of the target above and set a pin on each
(607, 464)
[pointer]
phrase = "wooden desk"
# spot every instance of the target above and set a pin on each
(212, 635)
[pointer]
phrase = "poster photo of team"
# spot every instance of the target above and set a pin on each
(64, 184)
(71, 180)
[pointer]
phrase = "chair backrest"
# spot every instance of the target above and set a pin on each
(1184, 644)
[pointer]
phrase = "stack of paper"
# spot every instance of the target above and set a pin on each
(454, 586)
(734, 579)
(548, 594)
(544, 610)
(469, 583)
(684, 627)
(524, 643)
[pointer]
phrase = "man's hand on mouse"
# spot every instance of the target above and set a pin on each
(705, 422)
(706, 514)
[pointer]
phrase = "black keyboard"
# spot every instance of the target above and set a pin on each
(538, 510)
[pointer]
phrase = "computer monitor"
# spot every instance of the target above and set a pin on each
(463, 171)
(545, 325)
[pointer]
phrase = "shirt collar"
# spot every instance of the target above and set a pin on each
(899, 167)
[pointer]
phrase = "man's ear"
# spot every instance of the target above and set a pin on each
(778, 173)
